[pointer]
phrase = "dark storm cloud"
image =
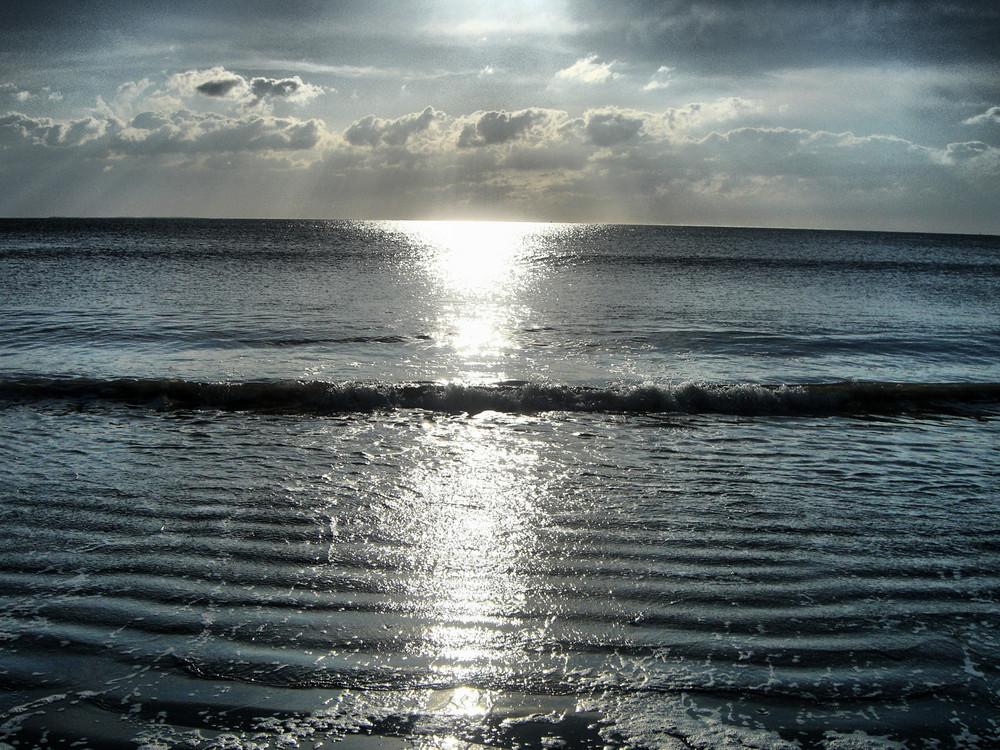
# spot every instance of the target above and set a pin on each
(742, 37)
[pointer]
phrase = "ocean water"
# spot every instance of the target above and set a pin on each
(274, 484)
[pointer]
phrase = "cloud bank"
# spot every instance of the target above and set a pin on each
(211, 141)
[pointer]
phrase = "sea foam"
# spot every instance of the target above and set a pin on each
(851, 398)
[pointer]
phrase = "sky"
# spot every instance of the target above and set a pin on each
(787, 113)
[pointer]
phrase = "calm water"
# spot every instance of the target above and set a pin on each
(438, 485)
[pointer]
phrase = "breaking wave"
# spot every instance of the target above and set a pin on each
(848, 398)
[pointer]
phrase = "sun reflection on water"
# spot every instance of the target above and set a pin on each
(475, 542)
(477, 272)
(478, 259)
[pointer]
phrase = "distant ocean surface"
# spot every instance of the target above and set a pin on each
(272, 484)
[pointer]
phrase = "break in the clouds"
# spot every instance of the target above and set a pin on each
(878, 115)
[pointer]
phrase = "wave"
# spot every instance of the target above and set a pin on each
(849, 398)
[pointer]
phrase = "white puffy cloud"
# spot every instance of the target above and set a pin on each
(701, 114)
(291, 89)
(587, 70)
(19, 130)
(214, 82)
(221, 84)
(495, 128)
(374, 131)
(149, 133)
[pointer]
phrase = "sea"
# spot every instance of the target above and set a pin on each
(453, 485)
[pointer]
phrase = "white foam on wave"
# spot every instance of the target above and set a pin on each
(319, 397)
(670, 721)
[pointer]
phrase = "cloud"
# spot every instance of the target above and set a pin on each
(290, 89)
(695, 115)
(974, 159)
(493, 128)
(19, 94)
(966, 150)
(740, 38)
(700, 162)
(374, 131)
(220, 87)
(610, 127)
(150, 133)
(216, 83)
(17, 130)
(221, 84)
(796, 152)
(992, 115)
(660, 79)
(190, 133)
(587, 70)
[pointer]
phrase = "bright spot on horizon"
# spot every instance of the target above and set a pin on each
(476, 258)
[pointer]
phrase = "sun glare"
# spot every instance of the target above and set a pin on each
(477, 273)
(462, 701)
(478, 258)
(478, 530)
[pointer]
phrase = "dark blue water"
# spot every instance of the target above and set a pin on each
(428, 484)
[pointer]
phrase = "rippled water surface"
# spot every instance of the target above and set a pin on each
(279, 484)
